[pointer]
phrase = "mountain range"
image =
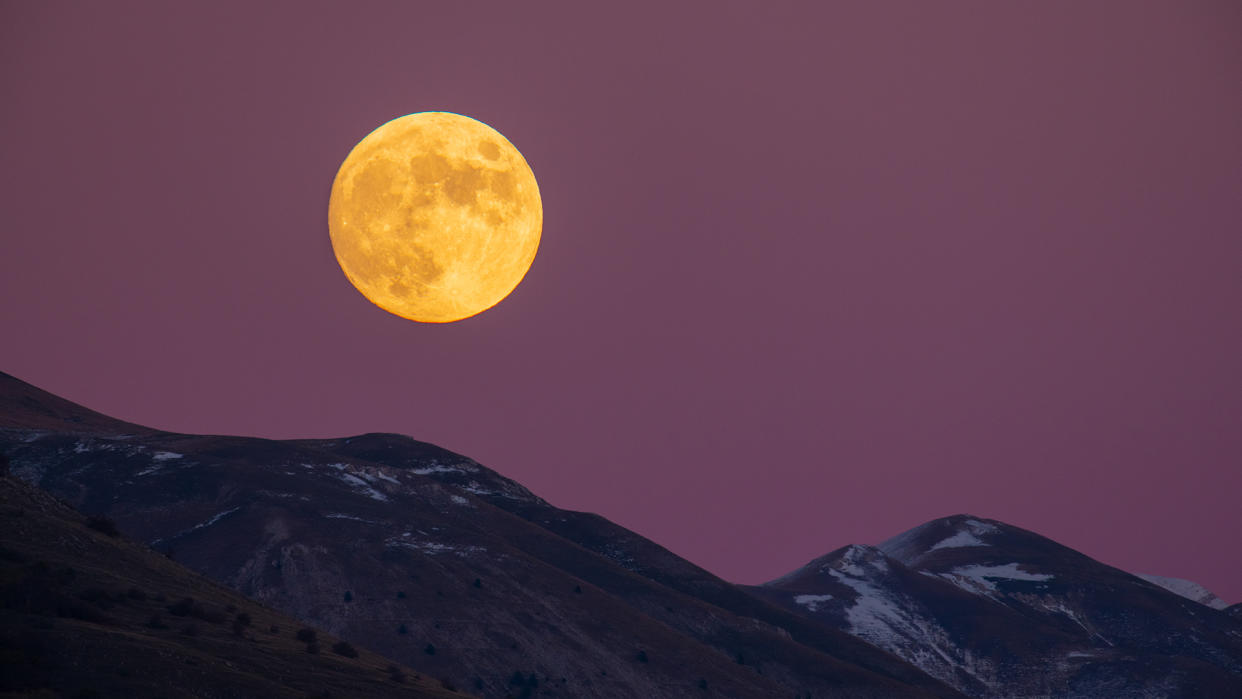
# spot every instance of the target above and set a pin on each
(444, 566)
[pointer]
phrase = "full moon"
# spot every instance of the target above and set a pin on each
(435, 217)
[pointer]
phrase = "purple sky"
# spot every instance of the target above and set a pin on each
(811, 274)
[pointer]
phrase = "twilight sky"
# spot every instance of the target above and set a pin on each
(811, 273)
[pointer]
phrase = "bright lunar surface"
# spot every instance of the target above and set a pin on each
(435, 217)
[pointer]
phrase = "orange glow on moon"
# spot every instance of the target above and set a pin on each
(435, 217)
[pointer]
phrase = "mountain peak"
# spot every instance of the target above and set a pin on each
(854, 561)
(408, 454)
(857, 560)
(956, 531)
(1056, 622)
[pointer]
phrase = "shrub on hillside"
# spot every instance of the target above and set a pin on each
(343, 648)
(187, 606)
(103, 525)
(96, 596)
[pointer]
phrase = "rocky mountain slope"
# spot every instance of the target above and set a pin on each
(998, 611)
(438, 562)
(84, 612)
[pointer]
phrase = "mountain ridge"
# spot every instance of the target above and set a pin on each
(428, 549)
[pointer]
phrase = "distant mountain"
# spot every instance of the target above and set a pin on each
(84, 612)
(998, 611)
(439, 563)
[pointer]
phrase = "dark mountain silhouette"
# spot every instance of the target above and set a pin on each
(84, 612)
(439, 563)
(998, 611)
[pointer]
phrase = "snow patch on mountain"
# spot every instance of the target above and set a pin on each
(385, 477)
(340, 515)
(875, 615)
(509, 490)
(1059, 607)
(959, 540)
(811, 602)
(201, 525)
(363, 486)
(981, 579)
(967, 536)
(957, 531)
(435, 467)
(892, 621)
(213, 520)
(435, 547)
(1186, 588)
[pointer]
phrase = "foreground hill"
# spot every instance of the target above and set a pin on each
(84, 612)
(998, 611)
(433, 560)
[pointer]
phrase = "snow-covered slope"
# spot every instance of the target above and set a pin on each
(863, 591)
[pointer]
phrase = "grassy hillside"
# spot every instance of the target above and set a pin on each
(87, 613)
